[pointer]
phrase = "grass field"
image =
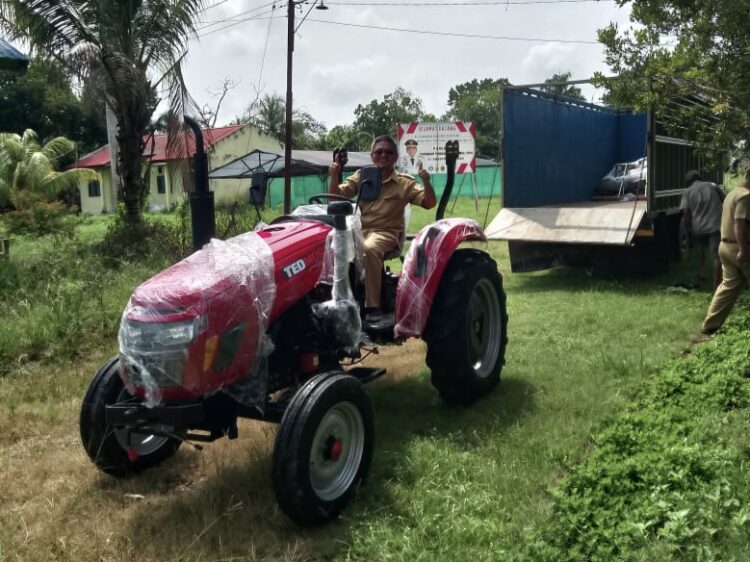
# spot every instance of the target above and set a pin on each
(446, 483)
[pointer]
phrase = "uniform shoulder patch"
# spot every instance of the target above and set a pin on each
(403, 175)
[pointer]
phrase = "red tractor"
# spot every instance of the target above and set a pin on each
(265, 326)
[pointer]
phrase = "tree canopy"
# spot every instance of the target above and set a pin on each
(43, 99)
(380, 117)
(125, 49)
(689, 49)
(479, 101)
(556, 85)
(268, 114)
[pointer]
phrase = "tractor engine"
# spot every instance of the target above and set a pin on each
(198, 326)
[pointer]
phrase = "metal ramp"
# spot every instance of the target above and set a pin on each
(587, 222)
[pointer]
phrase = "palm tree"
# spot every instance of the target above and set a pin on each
(269, 116)
(30, 172)
(126, 49)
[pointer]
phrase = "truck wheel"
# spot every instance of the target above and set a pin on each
(466, 332)
(323, 448)
(106, 445)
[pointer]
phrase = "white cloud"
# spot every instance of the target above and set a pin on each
(337, 67)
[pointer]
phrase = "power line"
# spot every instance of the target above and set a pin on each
(235, 16)
(466, 35)
(305, 16)
(402, 5)
(469, 3)
(263, 16)
(233, 21)
(273, 3)
(265, 49)
(215, 4)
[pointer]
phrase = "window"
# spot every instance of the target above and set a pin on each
(95, 188)
(161, 181)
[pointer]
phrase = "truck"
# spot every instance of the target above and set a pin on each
(555, 153)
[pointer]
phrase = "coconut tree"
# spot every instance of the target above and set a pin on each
(30, 172)
(128, 49)
(31, 180)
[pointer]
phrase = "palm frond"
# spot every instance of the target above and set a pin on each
(58, 148)
(180, 104)
(53, 25)
(57, 182)
(165, 34)
(30, 138)
(11, 150)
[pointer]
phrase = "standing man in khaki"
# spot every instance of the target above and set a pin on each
(734, 252)
(383, 219)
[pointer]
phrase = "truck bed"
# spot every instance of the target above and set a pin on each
(586, 222)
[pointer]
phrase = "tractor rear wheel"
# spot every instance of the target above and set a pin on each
(466, 333)
(323, 448)
(106, 445)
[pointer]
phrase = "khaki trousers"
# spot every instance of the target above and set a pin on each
(377, 244)
(734, 278)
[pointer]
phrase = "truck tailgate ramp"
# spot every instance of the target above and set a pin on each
(588, 222)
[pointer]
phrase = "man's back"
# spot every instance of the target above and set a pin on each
(737, 197)
(703, 201)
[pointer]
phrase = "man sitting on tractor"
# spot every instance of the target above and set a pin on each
(383, 219)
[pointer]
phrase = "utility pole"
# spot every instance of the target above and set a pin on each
(291, 5)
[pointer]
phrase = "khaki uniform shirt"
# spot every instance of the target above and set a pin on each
(386, 213)
(736, 206)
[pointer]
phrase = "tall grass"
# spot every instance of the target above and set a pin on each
(59, 297)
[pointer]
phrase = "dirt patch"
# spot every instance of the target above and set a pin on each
(201, 505)
(401, 361)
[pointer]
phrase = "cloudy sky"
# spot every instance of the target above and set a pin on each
(352, 53)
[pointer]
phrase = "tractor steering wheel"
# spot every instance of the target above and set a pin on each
(319, 198)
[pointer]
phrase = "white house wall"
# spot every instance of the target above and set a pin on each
(230, 148)
(105, 202)
(227, 149)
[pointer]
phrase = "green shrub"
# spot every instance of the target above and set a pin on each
(42, 218)
(664, 481)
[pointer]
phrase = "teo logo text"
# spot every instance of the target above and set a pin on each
(293, 269)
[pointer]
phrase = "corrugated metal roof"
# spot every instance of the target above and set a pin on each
(11, 58)
(304, 163)
(158, 151)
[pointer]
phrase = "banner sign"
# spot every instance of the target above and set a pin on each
(423, 144)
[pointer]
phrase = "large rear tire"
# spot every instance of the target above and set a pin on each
(323, 448)
(466, 333)
(107, 446)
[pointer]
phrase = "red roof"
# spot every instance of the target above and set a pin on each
(157, 152)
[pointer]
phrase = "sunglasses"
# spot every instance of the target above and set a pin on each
(381, 152)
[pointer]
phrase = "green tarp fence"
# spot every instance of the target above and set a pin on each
(488, 184)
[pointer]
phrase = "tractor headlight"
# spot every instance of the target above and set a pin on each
(157, 336)
(156, 352)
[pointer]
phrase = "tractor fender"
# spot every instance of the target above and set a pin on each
(423, 269)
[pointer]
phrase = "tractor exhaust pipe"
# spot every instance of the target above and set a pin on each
(201, 199)
(451, 155)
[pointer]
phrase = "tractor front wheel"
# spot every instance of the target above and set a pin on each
(323, 448)
(466, 332)
(107, 445)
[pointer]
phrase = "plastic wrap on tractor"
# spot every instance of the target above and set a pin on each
(200, 321)
(423, 268)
